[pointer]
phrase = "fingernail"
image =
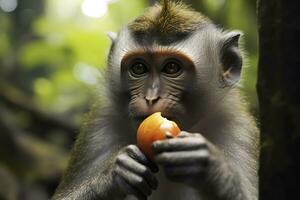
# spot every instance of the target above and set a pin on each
(169, 135)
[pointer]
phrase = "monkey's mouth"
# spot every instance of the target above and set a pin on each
(141, 118)
(172, 118)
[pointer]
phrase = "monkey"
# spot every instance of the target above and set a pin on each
(174, 60)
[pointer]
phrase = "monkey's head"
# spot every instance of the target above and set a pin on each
(173, 60)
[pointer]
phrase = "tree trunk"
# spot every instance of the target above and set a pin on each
(279, 97)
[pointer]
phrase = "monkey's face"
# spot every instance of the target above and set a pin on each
(184, 79)
(157, 81)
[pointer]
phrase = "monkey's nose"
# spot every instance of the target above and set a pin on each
(151, 100)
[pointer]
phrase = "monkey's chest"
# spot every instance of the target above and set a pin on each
(168, 190)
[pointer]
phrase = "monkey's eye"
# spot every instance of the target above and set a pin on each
(172, 68)
(138, 69)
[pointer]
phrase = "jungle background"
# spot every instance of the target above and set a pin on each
(51, 52)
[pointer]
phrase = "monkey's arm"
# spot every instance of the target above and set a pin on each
(87, 178)
(106, 167)
(193, 160)
(227, 179)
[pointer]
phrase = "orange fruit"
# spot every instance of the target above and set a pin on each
(153, 128)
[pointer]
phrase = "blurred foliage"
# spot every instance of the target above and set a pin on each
(238, 15)
(51, 54)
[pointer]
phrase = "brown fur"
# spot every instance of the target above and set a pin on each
(168, 18)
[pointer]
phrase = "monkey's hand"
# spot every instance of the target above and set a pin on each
(193, 160)
(133, 173)
(185, 158)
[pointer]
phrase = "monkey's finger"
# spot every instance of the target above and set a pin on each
(128, 189)
(178, 144)
(134, 180)
(184, 134)
(135, 153)
(183, 157)
(137, 168)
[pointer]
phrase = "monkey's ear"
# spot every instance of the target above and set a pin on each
(112, 36)
(231, 58)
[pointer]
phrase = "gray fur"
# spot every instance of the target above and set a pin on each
(215, 111)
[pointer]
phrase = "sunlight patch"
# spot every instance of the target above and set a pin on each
(8, 5)
(95, 8)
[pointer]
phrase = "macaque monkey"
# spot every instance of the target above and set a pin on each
(174, 60)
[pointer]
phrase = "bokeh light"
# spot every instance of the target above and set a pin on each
(8, 5)
(86, 73)
(95, 8)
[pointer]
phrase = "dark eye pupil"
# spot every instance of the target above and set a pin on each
(172, 68)
(139, 69)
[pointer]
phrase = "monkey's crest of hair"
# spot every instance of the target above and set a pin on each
(168, 18)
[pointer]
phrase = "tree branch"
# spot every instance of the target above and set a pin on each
(12, 96)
